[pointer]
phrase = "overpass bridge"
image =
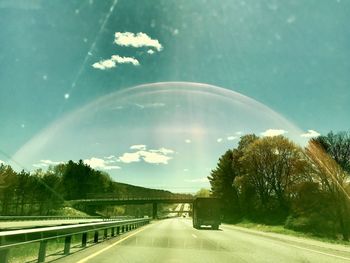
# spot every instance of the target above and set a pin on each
(131, 201)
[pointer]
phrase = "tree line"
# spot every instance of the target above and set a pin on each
(274, 181)
(44, 192)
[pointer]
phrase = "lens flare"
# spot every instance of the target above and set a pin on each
(182, 126)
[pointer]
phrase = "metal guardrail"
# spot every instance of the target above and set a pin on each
(11, 239)
(25, 218)
(35, 218)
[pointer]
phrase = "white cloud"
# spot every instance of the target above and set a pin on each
(150, 105)
(97, 163)
(2, 162)
(136, 40)
(153, 156)
(113, 61)
(231, 138)
(138, 147)
(66, 96)
(129, 157)
(310, 134)
(110, 157)
(104, 64)
(187, 141)
(150, 51)
(239, 133)
(197, 180)
(45, 163)
(49, 162)
(219, 140)
(121, 60)
(163, 151)
(273, 132)
(186, 170)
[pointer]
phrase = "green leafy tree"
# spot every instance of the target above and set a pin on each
(8, 182)
(221, 180)
(203, 192)
(273, 165)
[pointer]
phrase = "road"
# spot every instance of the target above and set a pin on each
(174, 240)
(177, 210)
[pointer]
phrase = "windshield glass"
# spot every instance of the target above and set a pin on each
(139, 99)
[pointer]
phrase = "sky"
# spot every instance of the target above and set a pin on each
(68, 68)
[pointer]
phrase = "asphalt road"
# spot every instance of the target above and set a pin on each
(174, 240)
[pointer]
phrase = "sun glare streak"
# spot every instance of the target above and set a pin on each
(88, 54)
(329, 166)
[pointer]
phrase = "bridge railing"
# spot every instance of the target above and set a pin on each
(14, 238)
(133, 197)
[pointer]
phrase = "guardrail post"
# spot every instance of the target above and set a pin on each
(105, 234)
(123, 229)
(96, 237)
(42, 251)
(112, 232)
(4, 255)
(84, 239)
(118, 230)
(155, 208)
(67, 242)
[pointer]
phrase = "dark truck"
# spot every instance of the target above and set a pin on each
(206, 211)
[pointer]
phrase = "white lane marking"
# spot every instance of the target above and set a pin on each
(319, 252)
(112, 245)
(194, 235)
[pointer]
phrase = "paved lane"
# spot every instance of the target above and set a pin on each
(177, 210)
(174, 240)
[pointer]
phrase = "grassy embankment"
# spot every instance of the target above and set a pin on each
(280, 229)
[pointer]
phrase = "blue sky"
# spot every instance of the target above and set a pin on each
(292, 56)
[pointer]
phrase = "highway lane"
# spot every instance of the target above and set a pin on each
(186, 208)
(174, 240)
(177, 210)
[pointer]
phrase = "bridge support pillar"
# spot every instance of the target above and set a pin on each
(155, 210)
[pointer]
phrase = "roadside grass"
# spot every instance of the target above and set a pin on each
(280, 229)
(68, 211)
